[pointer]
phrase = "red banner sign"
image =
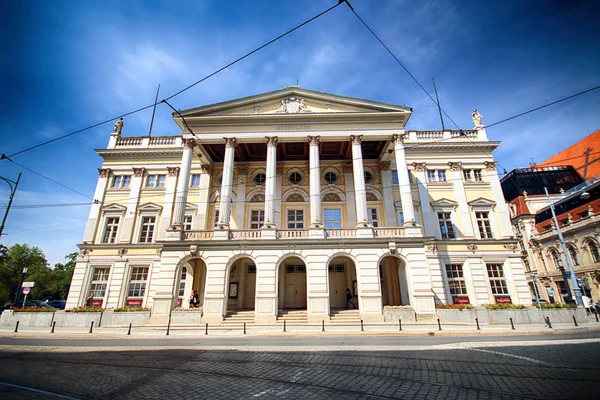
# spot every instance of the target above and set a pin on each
(97, 302)
(503, 299)
(134, 302)
(461, 300)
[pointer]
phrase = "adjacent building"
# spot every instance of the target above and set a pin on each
(287, 199)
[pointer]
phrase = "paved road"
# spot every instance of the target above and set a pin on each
(544, 367)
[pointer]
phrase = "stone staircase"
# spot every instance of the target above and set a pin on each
(238, 317)
(342, 316)
(292, 316)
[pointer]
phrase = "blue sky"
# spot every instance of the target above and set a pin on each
(69, 64)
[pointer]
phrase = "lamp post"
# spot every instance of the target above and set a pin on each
(13, 189)
(18, 293)
(576, 289)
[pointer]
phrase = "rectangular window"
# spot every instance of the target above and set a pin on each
(295, 219)
(121, 181)
(195, 182)
(372, 215)
(257, 219)
(182, 282)
(333, 218)
(137, 286)
(446, 226)
(156, 181)
(483, 223)
(147, 231)
(497, 281)
(110, 230)
(187, 222)
(436, 175)
(395, 176)
(472, 175)
(99, 282)
(456, 283)
(431, 175)
(400, 216)
(216, 217)
(441, 175)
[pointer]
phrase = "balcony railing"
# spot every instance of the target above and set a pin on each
(292, 234)
(145, 142)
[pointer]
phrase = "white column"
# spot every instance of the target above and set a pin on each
(428, 223)
(499, 198)
(278, 194)
(242, 174)
(388, 194)
(200, 222)
(94, 217)
(270, 182)
(165, 219)
(466, 224)
(350, 201)
(132, 204)
(359, 180)
(315, 182)
(182, 184)
(405, 193)
(227, 183)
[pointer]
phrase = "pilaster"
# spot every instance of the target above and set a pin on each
(132, 204)
(466, 228)
(424, 199)
(501, 206)
(170, 187)
(94, 216)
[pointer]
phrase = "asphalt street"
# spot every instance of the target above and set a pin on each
(557, 366)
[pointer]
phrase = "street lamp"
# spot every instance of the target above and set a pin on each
(13, 189)
(576, 289)
(18, 293)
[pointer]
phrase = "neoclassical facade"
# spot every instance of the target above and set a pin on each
(284, 200)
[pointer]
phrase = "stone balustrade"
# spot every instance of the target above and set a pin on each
(291, 234)
(145, 142)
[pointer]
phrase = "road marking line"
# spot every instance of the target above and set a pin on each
(510, 355)
(60, 396)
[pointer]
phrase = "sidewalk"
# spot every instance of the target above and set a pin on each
(368, 329)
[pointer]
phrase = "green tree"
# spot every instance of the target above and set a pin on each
(18, 257)
(61, 278)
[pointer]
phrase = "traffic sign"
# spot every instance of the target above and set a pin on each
(28, 284)
(26, 290)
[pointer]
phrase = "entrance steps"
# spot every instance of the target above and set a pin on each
(293, 316)
(343, 316)
(238, 317)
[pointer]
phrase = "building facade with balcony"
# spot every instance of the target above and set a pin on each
(285, 200)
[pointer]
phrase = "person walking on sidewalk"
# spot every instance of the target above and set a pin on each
(349, 299)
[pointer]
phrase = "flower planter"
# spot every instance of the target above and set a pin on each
(188, 317)
(39, 319)
(124, 318)
(394, 314)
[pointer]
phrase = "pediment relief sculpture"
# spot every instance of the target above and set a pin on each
(293, 105)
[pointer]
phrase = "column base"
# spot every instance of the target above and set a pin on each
(364, 232)
(174, 234)
(268, 233)
(412, 231)
(316, 233)
(221, 233)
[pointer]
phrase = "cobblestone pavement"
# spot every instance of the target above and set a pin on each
(511, 371)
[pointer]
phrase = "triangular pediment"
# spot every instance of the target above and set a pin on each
(481, 202)
(114, 207)
(150, 207)
(444, 203)
(293, 100)
(191, 207)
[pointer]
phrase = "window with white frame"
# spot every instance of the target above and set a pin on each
(216, 217)
(400, 216)
(483, 223)
(497, 280)
(187, 222)
(472, 175)
(137, 286)
(446, 225)
(121, 181)
(456, 283)
(372, 216)
(257, 219)
(295, 219)
(147, 229)
(156, 181)
(111, 229)
(332, 218)
(195, 180)
(99, 282)
(436, 175)
(181, 291)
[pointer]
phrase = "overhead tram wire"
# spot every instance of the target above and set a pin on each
(179, 92)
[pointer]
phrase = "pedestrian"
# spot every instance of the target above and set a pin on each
(196, 299)
(349, 299)
(191, 299)
(587, 304)
(90, 300)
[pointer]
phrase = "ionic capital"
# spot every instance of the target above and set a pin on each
(189, 143)
(490, 165)
(104, 172)
(314, 140)
(230, 142)
(398, 139)
(173, 171)
(419, 166)
(454, 166)
(138, 172)
(356, 139)
(206, 168)
(272, 141)
(383, 165)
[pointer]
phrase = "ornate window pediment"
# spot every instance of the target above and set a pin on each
(114, 208)
(295, 196)
(150, 207)
(482, 203)
(444, 204)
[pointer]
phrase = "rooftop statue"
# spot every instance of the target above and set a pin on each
(476, 117)
(119, 126)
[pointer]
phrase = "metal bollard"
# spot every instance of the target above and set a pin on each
(91, 327)
(596, 314)
(17, 327)
(512, 325)
(322, 325)
(244, 328)
(284, 325)
(53, 325)
(169, 326)
(206, 329)
(477, 322)
(400, 325)
(439, 325)
(362, 328)
(129, 330)
(548, 322)
(575, 321)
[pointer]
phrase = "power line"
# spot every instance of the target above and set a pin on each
(544, 106)
(181, 91)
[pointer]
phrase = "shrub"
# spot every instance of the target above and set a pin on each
(131, 309)
(188, 309)
(86, 309)
(504, 306)
(453, 306)
(35, 309)
(556, 305)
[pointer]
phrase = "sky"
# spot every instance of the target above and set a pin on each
(66, 65)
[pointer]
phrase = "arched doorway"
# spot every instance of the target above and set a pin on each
(341, 275)
(241, 288)
(292, 284)
(192, 276)
(394, 282)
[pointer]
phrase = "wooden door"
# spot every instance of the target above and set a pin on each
(250, 288)
(337, 289)
(295, 287)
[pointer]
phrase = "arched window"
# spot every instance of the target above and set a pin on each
(594, 251)
(557, 260)
(574, 255)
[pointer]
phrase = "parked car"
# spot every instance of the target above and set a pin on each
(60, 304)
